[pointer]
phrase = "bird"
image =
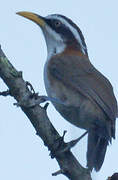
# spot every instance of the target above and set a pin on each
(83, 95)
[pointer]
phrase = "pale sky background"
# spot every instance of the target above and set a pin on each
(22, 154)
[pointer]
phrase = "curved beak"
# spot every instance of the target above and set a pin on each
(33, 17)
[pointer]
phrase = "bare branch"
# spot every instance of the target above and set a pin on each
(37, 115)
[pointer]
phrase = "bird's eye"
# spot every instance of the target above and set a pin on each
(57, 23)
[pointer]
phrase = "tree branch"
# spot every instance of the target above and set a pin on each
(37, 115)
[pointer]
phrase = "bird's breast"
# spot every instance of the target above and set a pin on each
(57, 89)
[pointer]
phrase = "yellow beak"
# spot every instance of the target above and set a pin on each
(33, 17)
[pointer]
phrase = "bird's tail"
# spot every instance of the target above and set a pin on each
(97, 146)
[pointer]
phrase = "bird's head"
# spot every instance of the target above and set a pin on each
(60, 33)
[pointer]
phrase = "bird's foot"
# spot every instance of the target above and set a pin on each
(58, 147)
(33, 99)
(64, 147)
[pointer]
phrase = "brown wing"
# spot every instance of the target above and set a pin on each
(79, 74)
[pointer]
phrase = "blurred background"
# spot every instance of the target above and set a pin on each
(22, 153)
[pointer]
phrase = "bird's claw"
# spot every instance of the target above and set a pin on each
(58, 146)
(33, 99)
(30, 87)
(64, 147)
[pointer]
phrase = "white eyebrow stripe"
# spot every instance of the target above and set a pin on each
(72, 29)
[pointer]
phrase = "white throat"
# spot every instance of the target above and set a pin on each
(54, 48)
(54, 42)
